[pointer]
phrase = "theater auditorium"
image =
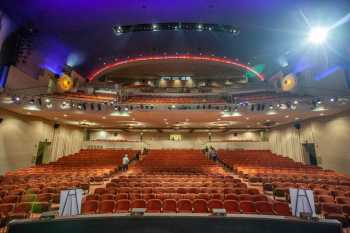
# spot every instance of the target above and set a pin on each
(210, 116)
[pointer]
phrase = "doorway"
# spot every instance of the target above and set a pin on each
(42, 155)
(310, 153)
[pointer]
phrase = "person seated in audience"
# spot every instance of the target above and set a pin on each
(125, 162)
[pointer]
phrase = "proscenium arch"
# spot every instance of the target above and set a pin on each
(175, 57)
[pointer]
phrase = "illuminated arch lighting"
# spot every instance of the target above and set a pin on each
(177, 57)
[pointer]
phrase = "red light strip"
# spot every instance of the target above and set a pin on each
(177, 57)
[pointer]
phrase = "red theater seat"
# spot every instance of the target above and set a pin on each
(260, 197)
(247, 207)
(154, 206)
(281, 208)
(231, 206)
(107, 196)
(200, 206)
(245, 197)
(22, 210)
(263, 207)
(122, 206)
(184, 206)
(100, 191)
(334, 211)
(122, 196)
(106, 206)
(232, 197)
(91, 207)
(326, 199)
(44, 197)
(169, 206)
(204, 196)
(138, 203)
(215, 204)
(10, 199)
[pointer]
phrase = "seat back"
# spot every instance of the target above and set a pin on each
(247, 207)
(231, 206)
(154, 206)
(169, 206)
(122, 206)
(107, 206)
(200, 206)
(184, 206)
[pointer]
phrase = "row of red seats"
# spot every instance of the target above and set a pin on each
(186, 206)
(277, 174)
(43, 197)
(175, 196)
(10, 211)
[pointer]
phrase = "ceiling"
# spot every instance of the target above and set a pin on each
(174, 67)
(178, 119)
(79, 32)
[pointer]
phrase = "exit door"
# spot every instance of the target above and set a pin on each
(310, 153)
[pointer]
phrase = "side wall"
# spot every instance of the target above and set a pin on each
(20, 135)
(331, 136)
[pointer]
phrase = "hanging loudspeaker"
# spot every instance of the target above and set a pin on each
(287, 83)
(64, 83)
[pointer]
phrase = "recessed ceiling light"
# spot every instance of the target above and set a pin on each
(271, 112)
(319, 109)
(7, 100)
(32, 107)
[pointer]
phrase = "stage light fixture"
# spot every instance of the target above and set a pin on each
(318, 35)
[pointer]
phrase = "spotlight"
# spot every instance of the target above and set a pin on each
(47, 100)
(318, 35)
(155, 27)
